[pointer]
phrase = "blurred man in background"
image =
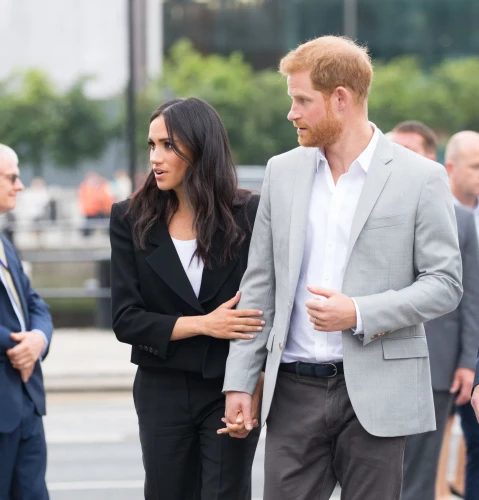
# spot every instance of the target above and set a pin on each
(462, 164)
(25, 334)
(452, 339)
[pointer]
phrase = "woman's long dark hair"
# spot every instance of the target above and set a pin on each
(210, 182)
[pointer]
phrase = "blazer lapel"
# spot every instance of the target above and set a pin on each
(15, 274)
(165, 262)
(304, 176)
(214, 278)
(378, 174)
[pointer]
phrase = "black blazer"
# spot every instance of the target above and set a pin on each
(150, 291)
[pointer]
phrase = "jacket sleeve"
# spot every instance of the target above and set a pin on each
(437, 264)
(132, 323)
(246, 357)
(469, 306)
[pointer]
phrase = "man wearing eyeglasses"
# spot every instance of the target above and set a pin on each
(25, 334)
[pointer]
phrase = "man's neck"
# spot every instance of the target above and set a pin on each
(468, 200)
(353, 141)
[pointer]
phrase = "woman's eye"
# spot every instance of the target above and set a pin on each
(168, 145)
(151, 146)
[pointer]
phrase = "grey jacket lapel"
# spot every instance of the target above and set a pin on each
(304, 176)
(378, 174)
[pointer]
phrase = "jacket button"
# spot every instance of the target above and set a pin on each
(155, 352)
(140, 347)
(151, 350)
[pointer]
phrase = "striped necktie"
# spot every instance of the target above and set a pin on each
(9, 281)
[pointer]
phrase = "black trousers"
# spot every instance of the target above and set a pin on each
(184, 458)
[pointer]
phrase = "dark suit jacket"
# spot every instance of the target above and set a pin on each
(150, 291)
(37, 317)
(453, 339)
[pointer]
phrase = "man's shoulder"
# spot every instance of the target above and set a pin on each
(297, 154)
(412, 164)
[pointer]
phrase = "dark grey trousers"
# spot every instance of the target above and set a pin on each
(422, 454)
(314, 440)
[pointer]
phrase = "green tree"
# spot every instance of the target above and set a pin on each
(43, 125)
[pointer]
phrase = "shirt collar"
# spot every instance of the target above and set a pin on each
(459, 204)
(364, 159)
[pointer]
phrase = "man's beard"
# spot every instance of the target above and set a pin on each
(323, 134)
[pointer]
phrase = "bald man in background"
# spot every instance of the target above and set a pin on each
(462, 164)
(452, 339)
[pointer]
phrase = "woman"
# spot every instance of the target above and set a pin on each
(179, 250)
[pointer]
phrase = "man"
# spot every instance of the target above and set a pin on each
(354, 247)
(453, 339)
(462, 164)
(25, 335)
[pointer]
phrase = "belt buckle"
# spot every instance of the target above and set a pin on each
(335, 370)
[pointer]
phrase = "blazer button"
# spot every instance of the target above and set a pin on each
(151, 350)
(140, 347)
(155, 352)
(280, 346)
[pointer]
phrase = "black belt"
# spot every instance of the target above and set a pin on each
(326, 370)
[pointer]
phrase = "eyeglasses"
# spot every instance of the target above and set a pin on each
(12, 177)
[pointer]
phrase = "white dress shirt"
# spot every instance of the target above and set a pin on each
(331, 212)
(474, 210)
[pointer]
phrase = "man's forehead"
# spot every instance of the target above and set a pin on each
(8, 165)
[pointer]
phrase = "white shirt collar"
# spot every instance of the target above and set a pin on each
(459, 204)
(364, 159)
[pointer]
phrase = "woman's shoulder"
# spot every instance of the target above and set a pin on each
(246, 209)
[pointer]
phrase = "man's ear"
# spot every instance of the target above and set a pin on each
(341, 97)
(449, 167)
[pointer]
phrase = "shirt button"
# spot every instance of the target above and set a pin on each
(280, 346)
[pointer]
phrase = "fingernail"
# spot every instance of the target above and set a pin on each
(248, 427)
(260, 328)
(263, 322)
(260, 313)
(251, 337)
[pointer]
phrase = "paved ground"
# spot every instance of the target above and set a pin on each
(91, 425)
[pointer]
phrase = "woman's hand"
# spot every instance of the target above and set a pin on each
(238, 430)
(228, 323)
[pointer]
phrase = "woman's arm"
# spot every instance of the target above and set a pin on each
(134, 324)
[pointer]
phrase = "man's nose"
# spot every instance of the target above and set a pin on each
(293, 114)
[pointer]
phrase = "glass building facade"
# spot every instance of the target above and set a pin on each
(264, 30)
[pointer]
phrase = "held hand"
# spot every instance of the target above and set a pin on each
(26, 372)
(228, 323)
(334, 312)
(238, 414)
(26, 353)
(238, 430)
(462, 383)
(475, 402)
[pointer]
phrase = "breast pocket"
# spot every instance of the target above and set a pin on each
(388, 221)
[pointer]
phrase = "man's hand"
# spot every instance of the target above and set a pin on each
(332, 311)
(238, 430)
(462, 382)
(475, 401)
(26, 353)
(238, 414)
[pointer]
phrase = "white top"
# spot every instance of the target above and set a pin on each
(475, 212)
(193, 268)
(331, 211)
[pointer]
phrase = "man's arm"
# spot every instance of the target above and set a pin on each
(437, 261)
(246, 358)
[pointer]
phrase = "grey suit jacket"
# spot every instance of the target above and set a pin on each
(453, 339)
(403, 268)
